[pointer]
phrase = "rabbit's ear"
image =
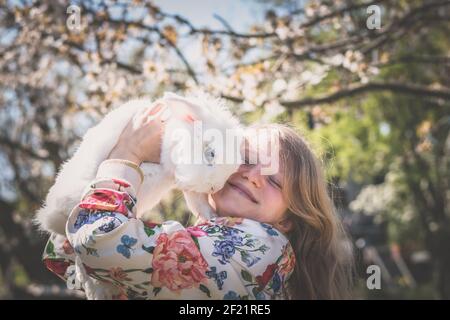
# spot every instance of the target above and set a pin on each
(171, 95)
(189, 118)
(157, 107)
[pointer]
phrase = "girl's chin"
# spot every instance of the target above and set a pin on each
(228, 205)
(227, 212)
(235, 212)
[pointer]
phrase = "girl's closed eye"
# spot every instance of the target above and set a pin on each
(273, 181)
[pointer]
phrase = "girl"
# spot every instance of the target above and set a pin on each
(276, 236)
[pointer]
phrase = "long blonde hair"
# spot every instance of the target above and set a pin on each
(324, 259)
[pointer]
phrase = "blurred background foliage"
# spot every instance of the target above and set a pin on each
(375, 104)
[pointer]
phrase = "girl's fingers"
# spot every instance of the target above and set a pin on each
(166, 114)
(155, 109)
(139, 117)
(162, 113)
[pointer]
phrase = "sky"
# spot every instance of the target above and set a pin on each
(238, 13)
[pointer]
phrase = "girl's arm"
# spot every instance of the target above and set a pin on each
(104, 235)
(112, 244)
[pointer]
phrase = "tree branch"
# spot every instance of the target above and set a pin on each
(337, 12)
(370, 87)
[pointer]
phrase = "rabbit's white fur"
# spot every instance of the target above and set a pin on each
(196, 180)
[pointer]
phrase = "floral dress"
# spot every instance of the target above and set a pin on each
(222, 258)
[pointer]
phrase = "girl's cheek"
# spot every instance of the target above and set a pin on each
(270, 194)
(275, 198)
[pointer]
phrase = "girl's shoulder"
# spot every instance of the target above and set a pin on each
(260, 254)
(254, 227)
(254, 241)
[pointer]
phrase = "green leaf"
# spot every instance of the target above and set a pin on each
(148, 249)
(246, 276)
(244, 255)
(149, 231)
(196, 242)
(50, 249)
(91, 251)
(255, 291)
(148, 270)
(131, 270)
(156, 290)
(263, 248)
(205, 290)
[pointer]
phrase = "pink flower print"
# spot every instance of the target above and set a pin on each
(118, 274)
(263, 279)
(287, 263)
(177, 262)
(121, 183)
(196, 231)
(108, 200)
(68, 249)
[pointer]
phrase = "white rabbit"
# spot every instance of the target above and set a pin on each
(176, 169)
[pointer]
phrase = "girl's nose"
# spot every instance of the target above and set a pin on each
(252, 173)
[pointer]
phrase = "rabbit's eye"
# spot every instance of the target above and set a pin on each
(209, 155)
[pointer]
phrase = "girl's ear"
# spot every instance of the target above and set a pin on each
(171, 95)
(285, 225)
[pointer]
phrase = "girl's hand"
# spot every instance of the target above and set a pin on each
(140, 141)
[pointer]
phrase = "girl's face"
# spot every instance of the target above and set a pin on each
(249, 194)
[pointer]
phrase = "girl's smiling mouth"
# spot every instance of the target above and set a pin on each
(243, 191)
